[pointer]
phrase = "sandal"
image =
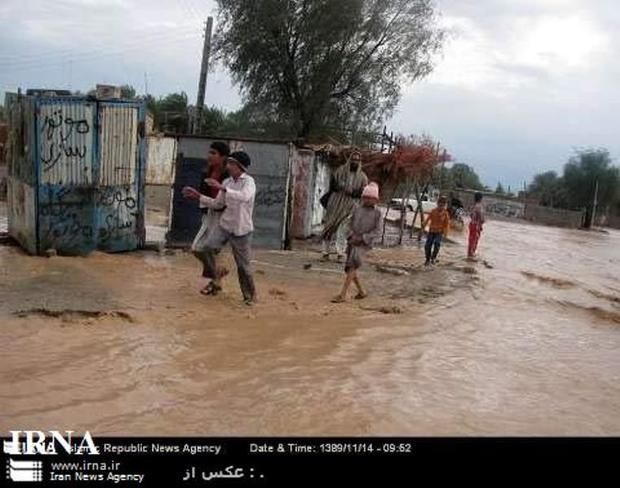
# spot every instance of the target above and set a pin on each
(360, 296)
(211, 289)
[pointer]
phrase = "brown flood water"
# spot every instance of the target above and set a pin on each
(123, 344)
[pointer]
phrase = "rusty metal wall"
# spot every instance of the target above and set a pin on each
(303, 174)
(270, 170)
(161, 155)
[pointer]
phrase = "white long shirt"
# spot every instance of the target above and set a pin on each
(238, 200)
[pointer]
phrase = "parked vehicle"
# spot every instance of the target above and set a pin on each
(412, 204)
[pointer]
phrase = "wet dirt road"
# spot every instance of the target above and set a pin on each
(123, 344)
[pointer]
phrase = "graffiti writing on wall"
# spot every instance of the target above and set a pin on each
(271, 194)
(67, 216)
(118, 209)
(61, 136)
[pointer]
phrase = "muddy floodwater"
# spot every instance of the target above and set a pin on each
(526, 342)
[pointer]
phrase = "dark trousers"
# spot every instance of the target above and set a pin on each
(203, 258)
(433, 243)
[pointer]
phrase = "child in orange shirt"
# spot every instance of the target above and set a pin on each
(439, 219)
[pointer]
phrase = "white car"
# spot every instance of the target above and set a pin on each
(412, 205)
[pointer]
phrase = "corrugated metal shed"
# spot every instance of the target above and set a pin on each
(76, 174)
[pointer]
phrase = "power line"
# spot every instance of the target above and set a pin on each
(84, 58)
(144, 41)
(88, 55)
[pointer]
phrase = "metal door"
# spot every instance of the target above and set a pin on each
(119, 196)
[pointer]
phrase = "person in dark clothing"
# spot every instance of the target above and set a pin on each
(216, 170)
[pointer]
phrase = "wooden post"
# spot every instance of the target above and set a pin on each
(403, 211)
(420, 208)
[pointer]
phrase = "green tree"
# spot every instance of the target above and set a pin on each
(548, 189)
(2, 114)
(128, 91)
(586, 171)
(464, 176)
(171, 113)
(314, 65)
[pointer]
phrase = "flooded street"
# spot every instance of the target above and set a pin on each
(528, 343)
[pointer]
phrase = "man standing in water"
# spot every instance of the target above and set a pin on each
(210, 217)
(345, 191)
(475, 226)
(236, 200)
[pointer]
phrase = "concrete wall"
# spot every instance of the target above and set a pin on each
(493, 205)
(505, 207)
(612, 221)
(553, 216)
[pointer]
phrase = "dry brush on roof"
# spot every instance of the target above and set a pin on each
(407, 162)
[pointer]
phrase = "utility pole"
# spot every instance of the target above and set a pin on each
(202, 82)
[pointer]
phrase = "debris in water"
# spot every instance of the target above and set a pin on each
(307, 265)
(384, 309)
(388, 269)
(548, 280)
(598, 312)
(487, 264)
(605, 296)
(468, 270)
(70, 315)
(276, 292)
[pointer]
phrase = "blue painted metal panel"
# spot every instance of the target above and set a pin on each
(21, 178)
(66, 163)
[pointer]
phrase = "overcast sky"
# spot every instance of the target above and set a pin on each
(519, 86)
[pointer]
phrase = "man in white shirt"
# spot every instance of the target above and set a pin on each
(236, 198)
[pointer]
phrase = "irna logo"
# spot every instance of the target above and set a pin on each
(38, 442)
